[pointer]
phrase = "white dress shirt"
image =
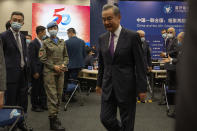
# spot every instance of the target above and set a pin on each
(14, 33)
(116, 36)
(40, 41)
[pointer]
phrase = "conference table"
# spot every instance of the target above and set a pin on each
(88, 74)
(155, 74)
(89, 78)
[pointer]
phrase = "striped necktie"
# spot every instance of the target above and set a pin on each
(19, 44)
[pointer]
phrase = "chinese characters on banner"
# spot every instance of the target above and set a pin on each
(152, 17)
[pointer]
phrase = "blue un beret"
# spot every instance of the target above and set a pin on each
(52, 24)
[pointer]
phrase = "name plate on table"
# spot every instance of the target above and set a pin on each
(90, 67)
(156, 67)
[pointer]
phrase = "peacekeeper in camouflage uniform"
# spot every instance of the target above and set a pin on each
(55, 58)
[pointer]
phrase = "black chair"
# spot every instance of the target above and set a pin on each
(72, 87)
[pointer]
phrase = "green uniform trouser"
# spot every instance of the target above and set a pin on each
(53, 83)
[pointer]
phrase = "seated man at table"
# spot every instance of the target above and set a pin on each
(89, 60)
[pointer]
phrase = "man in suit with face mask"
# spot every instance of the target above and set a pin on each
(171, 44)
(15, 52)
(146, 51)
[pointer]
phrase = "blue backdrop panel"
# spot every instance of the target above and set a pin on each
(152, 17)
(96, 25)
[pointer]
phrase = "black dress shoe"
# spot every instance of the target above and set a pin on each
(37, 109)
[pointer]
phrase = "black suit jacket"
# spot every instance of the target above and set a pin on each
(172, 51)
(36, 66)
(176, 60)
(12, 55)
(147, 54)
(124, 73)
(172, 47)
(76, 52)
(186, 113)
(2, 69)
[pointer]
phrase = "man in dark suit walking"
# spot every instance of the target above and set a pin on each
(121, 74)
(15, 52)
(38, 95)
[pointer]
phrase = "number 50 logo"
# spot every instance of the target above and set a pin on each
(64, 19)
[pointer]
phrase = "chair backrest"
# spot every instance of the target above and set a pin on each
(71, 87)
(9, 116)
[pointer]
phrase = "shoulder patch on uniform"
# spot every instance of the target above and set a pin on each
(41, 54)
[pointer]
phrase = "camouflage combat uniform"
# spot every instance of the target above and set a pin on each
(53, 54)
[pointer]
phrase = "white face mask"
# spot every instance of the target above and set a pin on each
(170, 36)
(143, 39)
(164, 35)
(53, 32)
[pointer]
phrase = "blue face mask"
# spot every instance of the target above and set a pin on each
(164, 35)
(179, 43)
(16, 26)
(28, 41)
(53, 32)
(44, 37)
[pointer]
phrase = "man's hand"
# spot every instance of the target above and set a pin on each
(166, 60)
(57, 68)
(63, 68)
(36, 75)
(98, 90)
(149, 69)
(142, 96)
(1, 99)
(162, 55)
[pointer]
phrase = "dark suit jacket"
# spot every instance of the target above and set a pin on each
(12, 55)
(124, 73)
(186, 113)
(172, 51)
(2, 69)
(89, 60)
(76, 52)
(147, 54)
(176, 60)
(172, 47)
(36, 66)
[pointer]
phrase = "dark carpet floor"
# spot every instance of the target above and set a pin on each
(149, 117)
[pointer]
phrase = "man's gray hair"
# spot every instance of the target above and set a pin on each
(115, 8)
